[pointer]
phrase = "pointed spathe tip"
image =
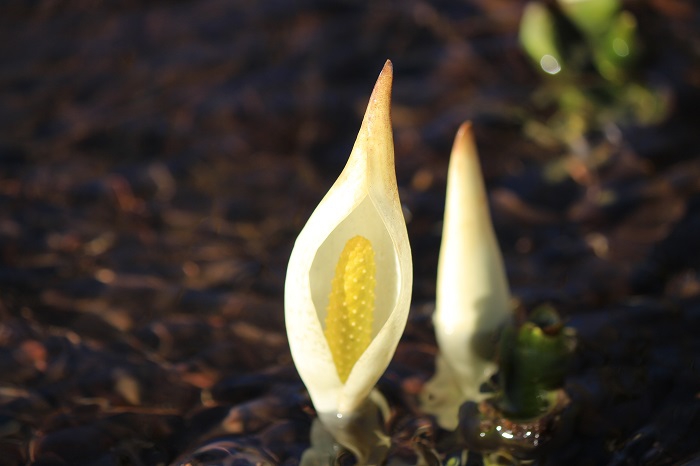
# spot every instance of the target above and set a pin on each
(375, 144)
(387, 72)
(464, 142)
(381, 94)
(388, 67)
(464, 128)
(464, 178)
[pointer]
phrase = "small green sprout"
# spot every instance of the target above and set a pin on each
(533, 363)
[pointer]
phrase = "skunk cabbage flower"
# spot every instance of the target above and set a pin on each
(472, 296)
(348, 285)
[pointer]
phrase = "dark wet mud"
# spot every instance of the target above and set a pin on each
(157, 160)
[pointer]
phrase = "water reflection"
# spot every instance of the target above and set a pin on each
(550, 64)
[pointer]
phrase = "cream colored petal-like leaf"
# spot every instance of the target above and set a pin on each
(363, 201)
(472, 295)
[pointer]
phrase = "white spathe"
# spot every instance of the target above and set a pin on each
(472, 296)
(363, 201)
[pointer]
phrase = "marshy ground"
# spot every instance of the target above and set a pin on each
(157, 160)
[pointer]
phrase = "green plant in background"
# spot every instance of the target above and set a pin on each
(589, 51)
(348, 292)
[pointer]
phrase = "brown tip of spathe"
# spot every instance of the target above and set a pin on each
(388, 66)
(464, 128)
(380, 100)
(464, 142)
(386, 76)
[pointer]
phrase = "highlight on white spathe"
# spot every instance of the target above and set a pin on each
(363, 202)
(472, 294)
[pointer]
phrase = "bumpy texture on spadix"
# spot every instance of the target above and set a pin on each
(351, 305)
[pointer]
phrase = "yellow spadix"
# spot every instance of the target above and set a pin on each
(351, 305)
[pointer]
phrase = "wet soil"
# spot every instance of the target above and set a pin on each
(157, 160)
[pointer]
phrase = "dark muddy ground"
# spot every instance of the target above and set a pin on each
(157, 160)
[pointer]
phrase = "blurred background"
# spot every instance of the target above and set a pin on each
(157, 160)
